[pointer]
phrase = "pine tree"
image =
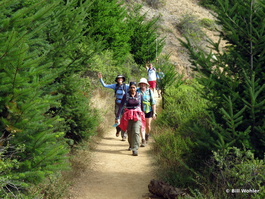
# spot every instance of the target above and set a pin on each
(36, 137)
(145, 41)
(171, 77)
(234, 79)
(108, 20)
(72, 49)
(45, 49)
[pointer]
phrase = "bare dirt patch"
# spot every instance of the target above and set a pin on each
(113, 172)
(171, 13)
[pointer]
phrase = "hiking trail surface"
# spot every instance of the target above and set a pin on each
(112, 171)
(108, 170)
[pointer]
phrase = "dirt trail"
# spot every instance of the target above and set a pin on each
(113, 172)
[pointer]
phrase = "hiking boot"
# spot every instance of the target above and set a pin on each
(143, 143)
(147, 137)
(118, 130)
(123, 138)
(135, 153)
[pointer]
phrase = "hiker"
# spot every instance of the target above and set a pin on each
(120, 88)
(133, 119)
(151, 73)
(159, 76)
(149, 108)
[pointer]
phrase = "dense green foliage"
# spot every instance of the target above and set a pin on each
(183, 153)
(27, 131)
(107, 19)
(125, 31)
(222, 145)
(189, 105)
(170, 78)
(211, 4)
(234, 80)
(48, 49)
(145, 42)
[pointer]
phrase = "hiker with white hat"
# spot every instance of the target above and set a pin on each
(149, 107)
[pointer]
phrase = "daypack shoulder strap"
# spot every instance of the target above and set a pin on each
(152, 69)
(115, 90)
(151, 96)
(127, 96)
(117, 86)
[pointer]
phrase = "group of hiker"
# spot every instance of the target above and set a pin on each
(135, 107)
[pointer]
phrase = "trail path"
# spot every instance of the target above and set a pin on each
(113, 173)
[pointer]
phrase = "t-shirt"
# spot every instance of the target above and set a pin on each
(148, 99)
(160, 75)
(151, 74)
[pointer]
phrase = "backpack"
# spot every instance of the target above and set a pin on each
(153, 68)
(117, 87)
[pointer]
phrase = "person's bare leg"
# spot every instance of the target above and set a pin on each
(148, 128)
(142, 134)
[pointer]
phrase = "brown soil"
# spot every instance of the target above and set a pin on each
(114, 172)
(110, 171)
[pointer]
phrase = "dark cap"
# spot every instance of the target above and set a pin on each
(133, 83)
(120, 76)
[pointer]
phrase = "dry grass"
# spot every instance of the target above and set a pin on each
(172, 12)
(81, 156)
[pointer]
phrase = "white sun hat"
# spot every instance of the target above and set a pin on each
(144, 81)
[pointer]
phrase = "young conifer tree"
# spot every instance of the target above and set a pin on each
(108, 20)
(145, 40)
(233, 77)
(170, 78)
(72, 47)
(36, 137)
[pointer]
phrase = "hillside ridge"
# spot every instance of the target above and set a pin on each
(171, 13)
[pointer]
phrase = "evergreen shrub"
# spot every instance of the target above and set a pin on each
(32, 64)
(81, 119)
(146, 43)
(236, 171)
(189, 26)
(207, 23)
(156, 3)
(234, 80)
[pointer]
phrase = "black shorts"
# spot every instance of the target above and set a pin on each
(149, 115)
